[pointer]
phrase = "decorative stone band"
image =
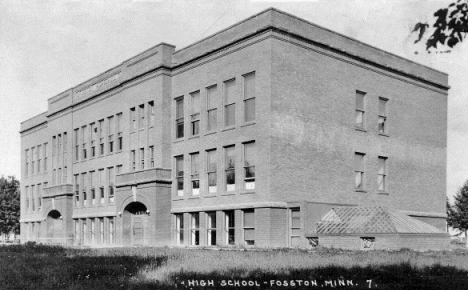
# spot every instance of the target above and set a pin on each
(94, 215)
(102, 83)
(425, 214)
(231, 206)
(29, 220)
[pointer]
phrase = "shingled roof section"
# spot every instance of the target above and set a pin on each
(371, 220)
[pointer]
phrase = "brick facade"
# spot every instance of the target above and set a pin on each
(275, 97)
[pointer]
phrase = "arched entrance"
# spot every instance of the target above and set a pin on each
(54, 225)
(135, 224)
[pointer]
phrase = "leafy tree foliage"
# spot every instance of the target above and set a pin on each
(450, 26)
(458, 212)
(9, 205)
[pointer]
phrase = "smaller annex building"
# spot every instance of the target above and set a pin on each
(246, 138)
(377, 228)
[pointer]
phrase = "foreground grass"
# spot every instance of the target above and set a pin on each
(41, 267)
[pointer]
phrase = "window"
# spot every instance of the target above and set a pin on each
(249, 97)
(195, 115)
(212, 104)
(382, 174)
(195, 174)
(101, 185)
(367, 243)
(59, 142)
(84, 230)
(33, 197)
(93, 135)
(101, 137)
(92, 181)
(141, 113)
(211, 228)
(101, 230)
(179, 160)
(151, 113)
(360, 118)
(110, 181)
(359, 170)
(249, 166)
(77, 232)
(142, 158)
(180, 229)
(33, 158)
(83, 138)
(59, 176)
(151, 156)
(119, 132)
(295, 227)
(382, 116)
(229, 103)
(230, 171)
(111, 230)
(26, 167)
(65, 174)
(119, 169)
(133, 159)
(45, 157)
(195, 228)
(180, 117)
(54, 145)
(211, 170)
(92, 231)
(77, 145)
(65, 150)
(249, 227)
(44, 186)
(133, 119)
(54, 176)
(83, 186)
(229, 227)
(39, 147)
(77, 190)
(110, 129)
(27, 197)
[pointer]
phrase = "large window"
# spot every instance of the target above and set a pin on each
(249, 227)
(93, 134)
(33, 158)
(195, 229)
(101, 185)
(83, 188)
(212, 104)
(119, 132)
(230, 103)
(179, 160)
(359, 170)
(249, 166)
(179, 229)
(195, 114)
(132, 119)
(151, 113)
(141, 113)
(83, 140)
(101, 137)
(77, 145)
(110, 181)
(249, 97)
(26, 167)
(77, 190)
(295, 227)
(151, 156)
(111, 230)
(180, 117)
(33, 197)
(142, 158)
(38, 153)
(360, 110)
(133, 159)
(195, 173)
(382, 174)
(382, 123)
(229, 227)
(92, 182)
(230, 172)
(46, 155)
(211, 170)
(211, 228)
(110, 138)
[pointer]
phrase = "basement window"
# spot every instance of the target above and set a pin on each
(367, 243)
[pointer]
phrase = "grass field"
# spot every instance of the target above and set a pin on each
(45, 267)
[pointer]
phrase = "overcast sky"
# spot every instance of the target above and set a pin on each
(47, 47)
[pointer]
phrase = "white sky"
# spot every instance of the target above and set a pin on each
(47, 47)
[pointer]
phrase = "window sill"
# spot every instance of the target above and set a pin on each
(247, 192)
(384, 134)
(360, 190)
(178, 198)
(228, 128)
(210, 133)
(246, 124)
(209, 195)
(194, 197)
(383, 193)
(360, 129)
(228, 193)
(178, 140)
(194, 137)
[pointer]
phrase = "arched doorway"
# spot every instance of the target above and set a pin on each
(135, 224)
(54, 226)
